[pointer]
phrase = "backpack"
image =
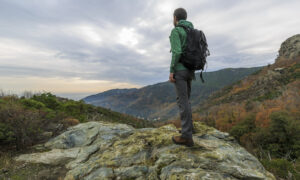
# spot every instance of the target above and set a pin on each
(196, 51)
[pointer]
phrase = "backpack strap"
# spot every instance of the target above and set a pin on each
(184, 27)
(201, 76)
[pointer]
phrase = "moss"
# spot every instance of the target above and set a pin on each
(201, 128)
(212, 155)
(139, 141)
(149, 137)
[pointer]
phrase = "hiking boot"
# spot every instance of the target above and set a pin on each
(193, 132)
(183, 141)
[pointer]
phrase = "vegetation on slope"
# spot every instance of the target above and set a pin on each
(27, 121)
(263, 112)
(158, 101)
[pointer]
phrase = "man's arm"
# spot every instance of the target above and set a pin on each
(175, 48)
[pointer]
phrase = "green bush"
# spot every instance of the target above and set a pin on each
(75, 109)
(6, 134)
(31, 103)
(22, 120)
(48, 99)
(281, 168)
(282, 137)
(245, 126)
(22, 126)
(293, 134)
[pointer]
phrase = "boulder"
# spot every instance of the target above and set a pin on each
(101, 150)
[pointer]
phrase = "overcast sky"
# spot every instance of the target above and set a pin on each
(75, 48)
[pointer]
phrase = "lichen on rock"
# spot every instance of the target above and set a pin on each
(118, 151)
(290, 48)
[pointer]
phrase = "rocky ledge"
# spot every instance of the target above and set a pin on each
(100, 150)
(290, 48)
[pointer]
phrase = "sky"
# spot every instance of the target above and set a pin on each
(75, 48)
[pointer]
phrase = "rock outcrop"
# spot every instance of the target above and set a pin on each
(99, 150)
(290, 48)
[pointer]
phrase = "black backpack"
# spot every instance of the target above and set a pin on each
(196, 51)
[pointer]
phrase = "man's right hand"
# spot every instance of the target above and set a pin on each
(171, 78)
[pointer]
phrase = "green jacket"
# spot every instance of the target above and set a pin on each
(177, 36)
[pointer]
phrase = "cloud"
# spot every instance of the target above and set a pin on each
(75, 88)
(127, 41)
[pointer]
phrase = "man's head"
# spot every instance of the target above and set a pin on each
(178, 15)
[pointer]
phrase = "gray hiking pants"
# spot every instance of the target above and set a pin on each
(183, 82)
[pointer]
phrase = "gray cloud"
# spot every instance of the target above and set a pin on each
(128, 41)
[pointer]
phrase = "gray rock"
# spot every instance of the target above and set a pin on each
(101, 174)
(98, 150)
(53, 157)
(290, 48)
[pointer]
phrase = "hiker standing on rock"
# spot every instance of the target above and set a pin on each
(189, 51)
(182, 77)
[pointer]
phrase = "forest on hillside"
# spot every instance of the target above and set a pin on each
(262, 112)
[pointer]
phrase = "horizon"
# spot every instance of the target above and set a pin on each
(80, 96)
(75, 49)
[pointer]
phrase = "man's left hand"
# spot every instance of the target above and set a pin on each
(171, 78)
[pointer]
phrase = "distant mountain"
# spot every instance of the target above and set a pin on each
(158, 101)
(104, 97)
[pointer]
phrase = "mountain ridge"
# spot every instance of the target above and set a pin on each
(158, 101)
(262, 111)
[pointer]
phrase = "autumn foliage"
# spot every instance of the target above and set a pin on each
(261, 111)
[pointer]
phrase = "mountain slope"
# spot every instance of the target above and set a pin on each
(270, 82)
(159, 100)
(262, 111)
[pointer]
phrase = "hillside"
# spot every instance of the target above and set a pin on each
(158, 101)
(262, 111)
(26, 121)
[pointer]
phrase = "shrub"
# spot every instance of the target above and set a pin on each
(48, 99)
(67, 122)
(6, 134)
(75, 109)
(31, 103)
(281, 168)
(23, 125)
(245, 126)
(282, 137)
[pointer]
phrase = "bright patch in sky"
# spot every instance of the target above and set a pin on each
(85, 47)
(128, 37)
(90, 34)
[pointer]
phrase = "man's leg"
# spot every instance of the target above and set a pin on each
(189, 88)
(181, 85)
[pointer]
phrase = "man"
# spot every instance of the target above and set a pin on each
(181, 77)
